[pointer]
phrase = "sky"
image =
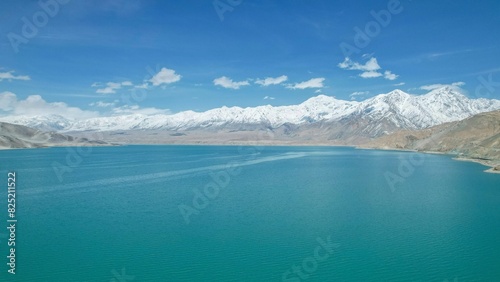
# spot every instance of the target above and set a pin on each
(106, 57)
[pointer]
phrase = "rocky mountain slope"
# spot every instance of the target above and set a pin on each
(336, 119)
(476, 137)
(443, 120)
(18, 136)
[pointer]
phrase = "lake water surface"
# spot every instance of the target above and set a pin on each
(229, 213)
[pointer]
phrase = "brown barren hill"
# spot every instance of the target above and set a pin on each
(477, 137)
(18, 136)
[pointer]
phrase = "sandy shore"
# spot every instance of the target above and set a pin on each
(494, 165)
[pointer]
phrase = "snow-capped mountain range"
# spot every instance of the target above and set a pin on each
(397, 108)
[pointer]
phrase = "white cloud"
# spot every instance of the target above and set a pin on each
(311, 83)
(370, 74)
(359, 93)
(399, 84)
(142, 86)
(102, 104)
(165, 76)
(458, 83)
(111, 87)
(389, 75)
(370, 69)
(431, 86)
(7, 101)
(35, 105)
(370, 65)
(135, 109)
(272, 80)
(438, 85)
(268, 98)
(226, 82)
(162, 78)
(10, 76)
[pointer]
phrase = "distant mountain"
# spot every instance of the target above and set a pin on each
(334, 119)
(476, 137)
(44, 123)
(18, 136)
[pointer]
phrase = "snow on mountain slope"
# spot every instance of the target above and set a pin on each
(397, 108)
(44, 123)
(407, 111)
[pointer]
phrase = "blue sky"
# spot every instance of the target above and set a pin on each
(117, 56)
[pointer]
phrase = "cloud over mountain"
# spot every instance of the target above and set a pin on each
(227, 82)
(311, 83)
(9, 75)
(370, 69)
(439, 85)
(381, 113)
(110, 87)
(35, 105)
(165, 76)
(272, 80)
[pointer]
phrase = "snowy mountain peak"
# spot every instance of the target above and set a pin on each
(397, 92)
(395, 96)
(446, 92)
(396, 109)
(320, 100)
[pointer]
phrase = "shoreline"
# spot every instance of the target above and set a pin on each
(493, 166)
(488, 163)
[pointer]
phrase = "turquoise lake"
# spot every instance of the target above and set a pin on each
(267, 213)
